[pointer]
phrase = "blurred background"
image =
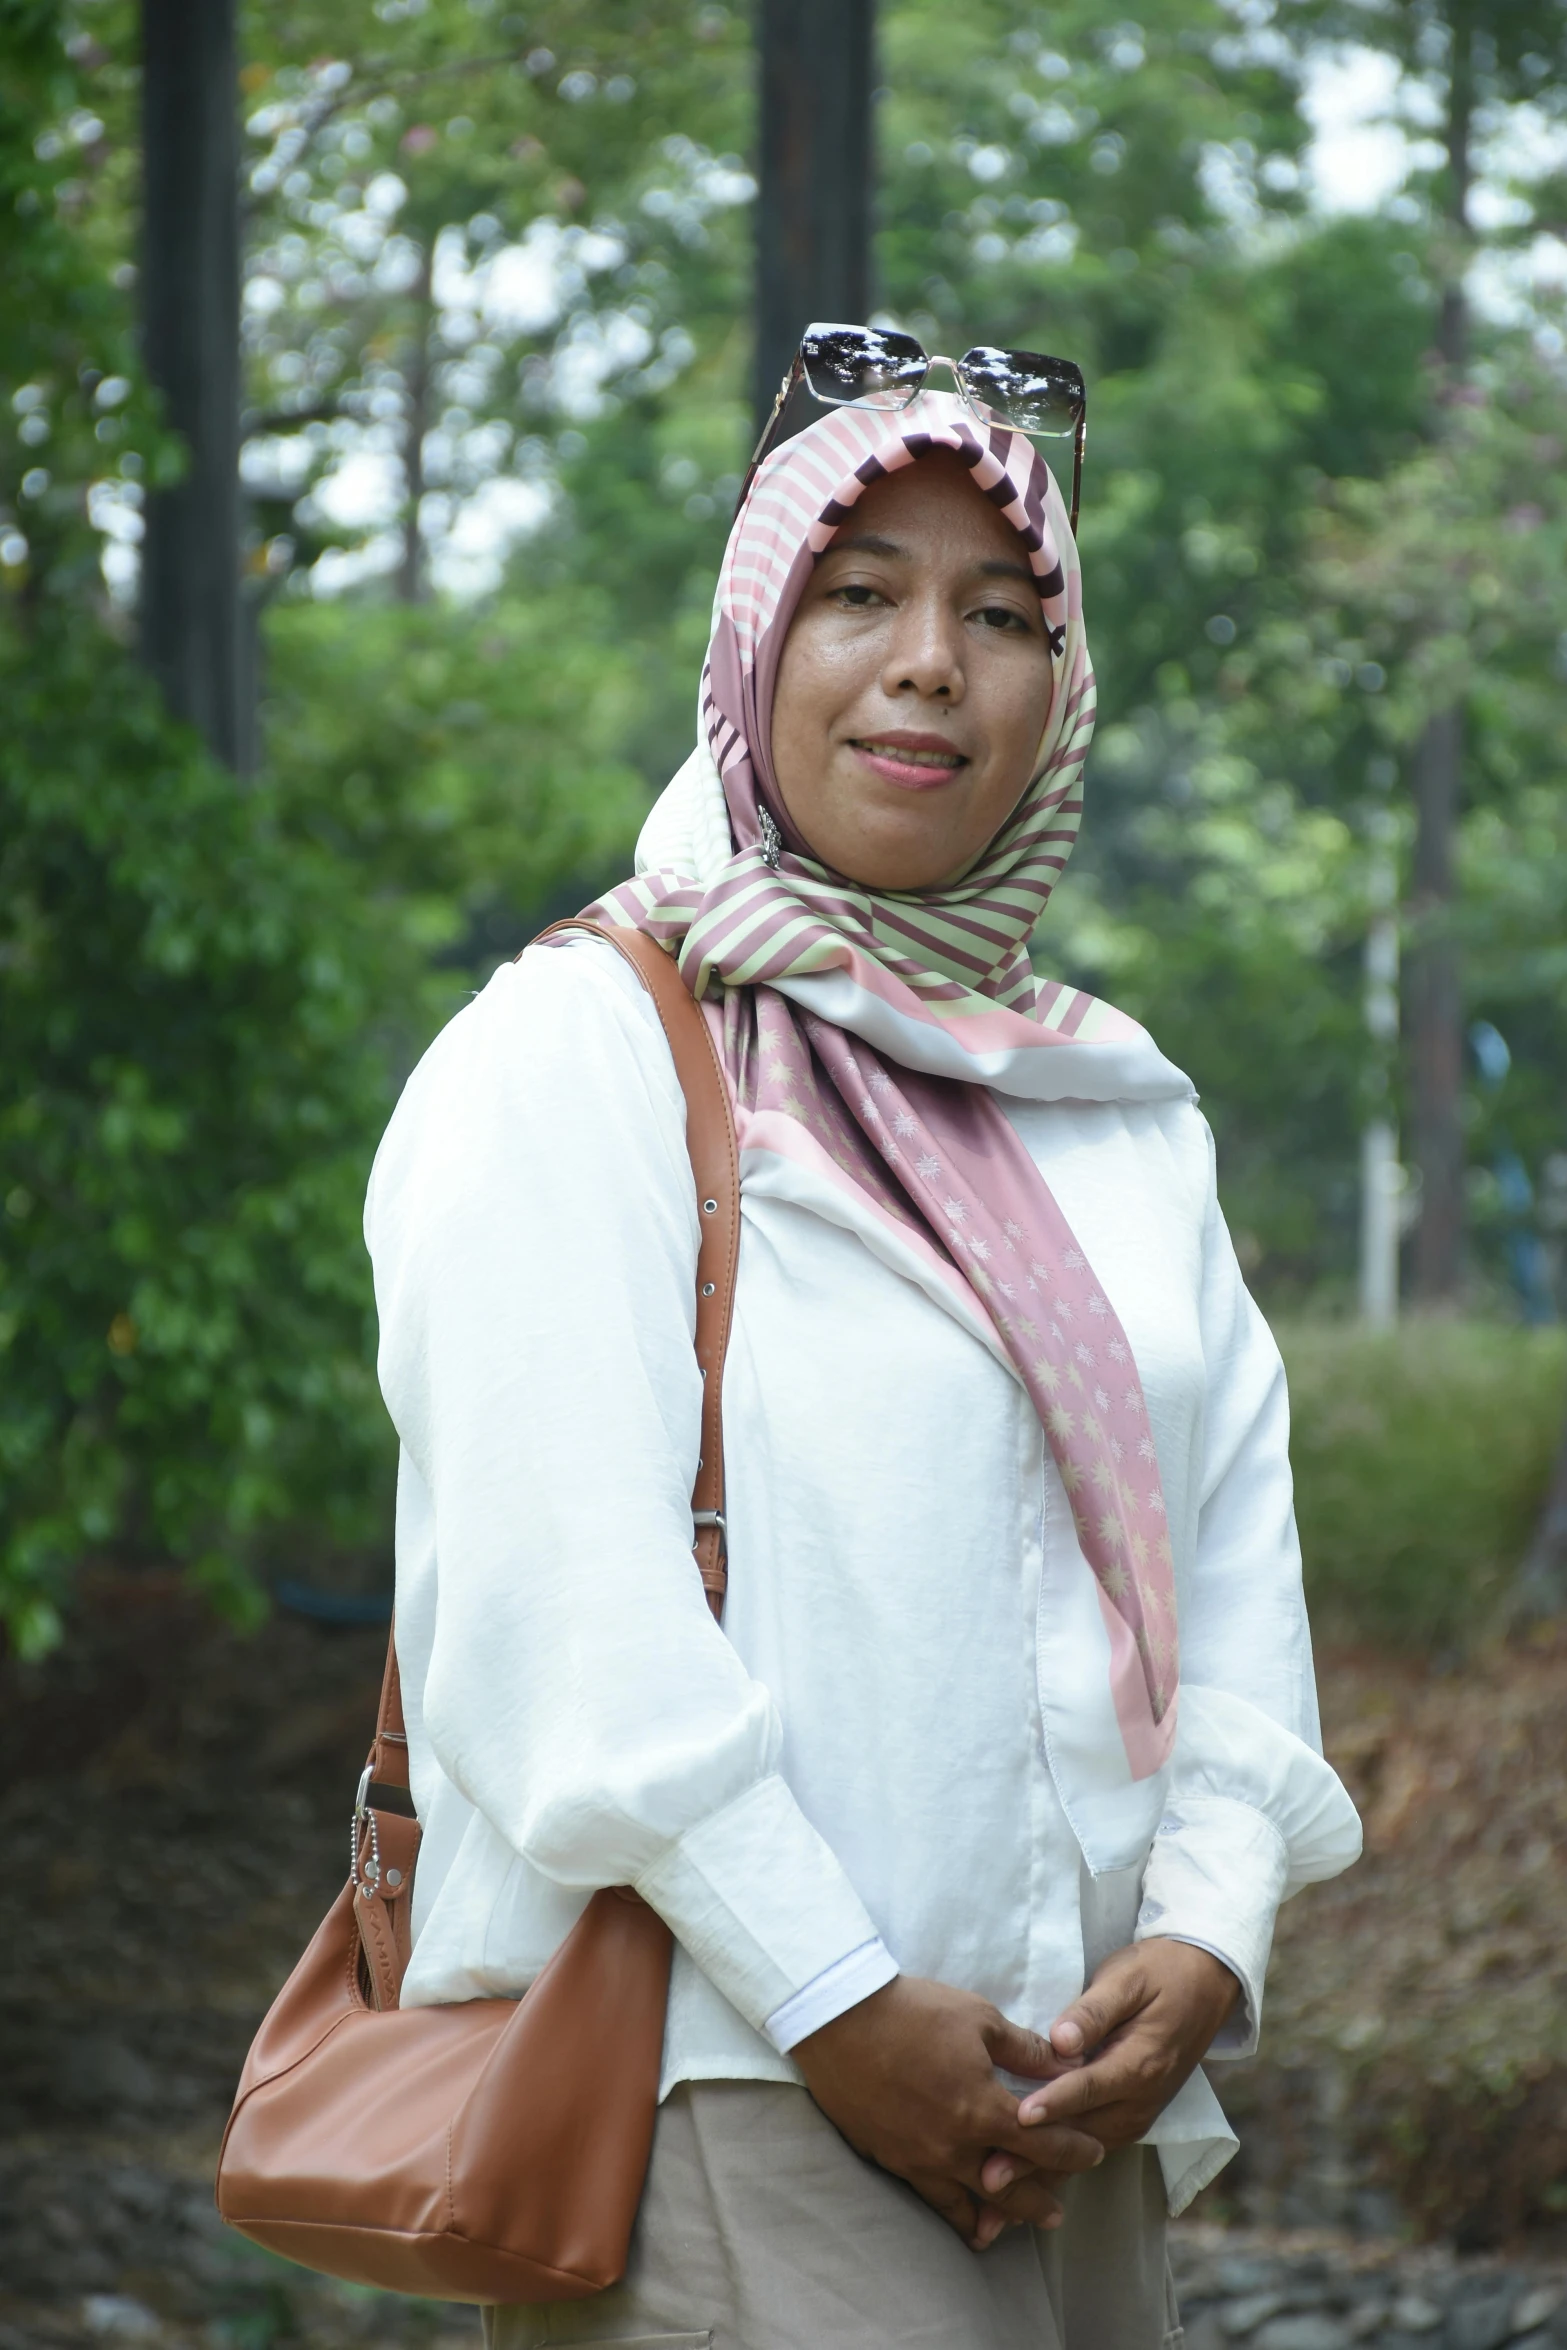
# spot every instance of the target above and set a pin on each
(375, 386)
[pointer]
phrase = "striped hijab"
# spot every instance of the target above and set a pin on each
(863, 1031)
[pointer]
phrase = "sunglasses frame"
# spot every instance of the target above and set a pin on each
(795, 375)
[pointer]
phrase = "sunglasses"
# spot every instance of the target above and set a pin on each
(872, 367)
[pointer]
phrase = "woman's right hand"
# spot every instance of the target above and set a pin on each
(909, 2077)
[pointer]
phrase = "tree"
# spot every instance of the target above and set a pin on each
(207, 997)
(468, 239)
(813, 215)
(190, 582)
(1479, 57)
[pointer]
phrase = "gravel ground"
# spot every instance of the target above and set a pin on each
(1325, 2292)
(173, 1809)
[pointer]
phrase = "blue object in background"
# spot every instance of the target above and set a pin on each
(1527, 1263)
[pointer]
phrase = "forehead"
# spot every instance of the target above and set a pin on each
(933, 518)
(927, 505)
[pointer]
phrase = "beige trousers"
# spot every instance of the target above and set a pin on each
(761, 2230)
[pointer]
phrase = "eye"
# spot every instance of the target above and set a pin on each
(1003, 618)
(857, 596)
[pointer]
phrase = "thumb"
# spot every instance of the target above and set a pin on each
(1115, 1993)
(1017, 2050)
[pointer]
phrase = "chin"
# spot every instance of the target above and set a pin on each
(895, 875)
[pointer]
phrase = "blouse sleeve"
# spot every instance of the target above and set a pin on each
(532, 1223)
(1254, 1812)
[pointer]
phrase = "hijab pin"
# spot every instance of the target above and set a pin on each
(772, 842)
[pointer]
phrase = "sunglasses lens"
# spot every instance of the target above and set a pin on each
(1023, 388)
(861, 366)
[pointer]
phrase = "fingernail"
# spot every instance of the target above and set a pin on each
(999, 2179)
(1053, 2219)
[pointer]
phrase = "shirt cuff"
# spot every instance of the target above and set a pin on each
(761, 1902)
(836, 1989)
(1215, 1877)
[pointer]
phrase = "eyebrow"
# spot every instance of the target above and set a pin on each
(868, 542)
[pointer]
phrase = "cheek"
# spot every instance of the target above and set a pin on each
(1023, 711)
(815, 681)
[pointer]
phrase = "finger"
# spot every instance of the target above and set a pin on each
(1069, 2099)
(990, 2225)
(1016, 2050)
(1124, 2123)
(1133, 2063)
(1111, 1998)
(1055, 2146)
(1009, 2182)
(954, 2204)
(1029, 2202)
(1063, 2104)
(1138, 2071)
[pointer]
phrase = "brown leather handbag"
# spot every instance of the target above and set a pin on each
(492, 2150)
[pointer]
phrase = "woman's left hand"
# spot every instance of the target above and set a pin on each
(1142, 2027)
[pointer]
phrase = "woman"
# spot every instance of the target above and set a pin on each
(961, 1894)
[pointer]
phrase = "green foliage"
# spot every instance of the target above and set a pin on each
(207, 996)
(206, 993)
(189, 1092)
(467, 237)
(463, 767)
(1421, 1459)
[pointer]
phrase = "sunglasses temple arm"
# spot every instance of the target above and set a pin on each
(765, 442)
(1079, 443)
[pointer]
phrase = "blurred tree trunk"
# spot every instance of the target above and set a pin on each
(410, 573)
(1436, 1024)
(813, 214)
(1540, 1589)
(1436, 1019)
(190, 590)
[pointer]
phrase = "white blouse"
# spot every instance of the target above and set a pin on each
(856, 1775)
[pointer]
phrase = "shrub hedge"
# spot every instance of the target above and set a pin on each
(1421, 1459)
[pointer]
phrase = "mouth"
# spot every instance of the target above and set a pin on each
(916, 762)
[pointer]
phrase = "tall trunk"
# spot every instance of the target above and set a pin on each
(1436, 1012)
(813, 214)
(190, 590)
(1540, 1588)
(410, 572)
(1435, 981)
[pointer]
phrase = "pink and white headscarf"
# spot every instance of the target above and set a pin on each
(865, 1033)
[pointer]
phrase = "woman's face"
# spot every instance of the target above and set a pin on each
(915, 684)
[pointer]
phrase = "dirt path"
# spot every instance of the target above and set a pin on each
(1416, 2034)
(174, 1823)
(173, 1816)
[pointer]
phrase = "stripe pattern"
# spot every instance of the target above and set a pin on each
(932, 1155)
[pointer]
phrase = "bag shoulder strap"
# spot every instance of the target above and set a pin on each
(715, 1164)
(385, 1835)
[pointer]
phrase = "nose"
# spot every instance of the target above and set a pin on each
(925, 655)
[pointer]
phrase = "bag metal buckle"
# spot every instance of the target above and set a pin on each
(367, 1884)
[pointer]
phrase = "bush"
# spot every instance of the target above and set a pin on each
(208, 996)
(196, 1066)
(1421, 1461)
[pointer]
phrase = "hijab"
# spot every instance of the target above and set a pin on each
(866, 1033)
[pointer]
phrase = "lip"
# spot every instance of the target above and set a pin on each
(908, 774)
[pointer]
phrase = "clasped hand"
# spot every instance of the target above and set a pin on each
(910, 2078)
